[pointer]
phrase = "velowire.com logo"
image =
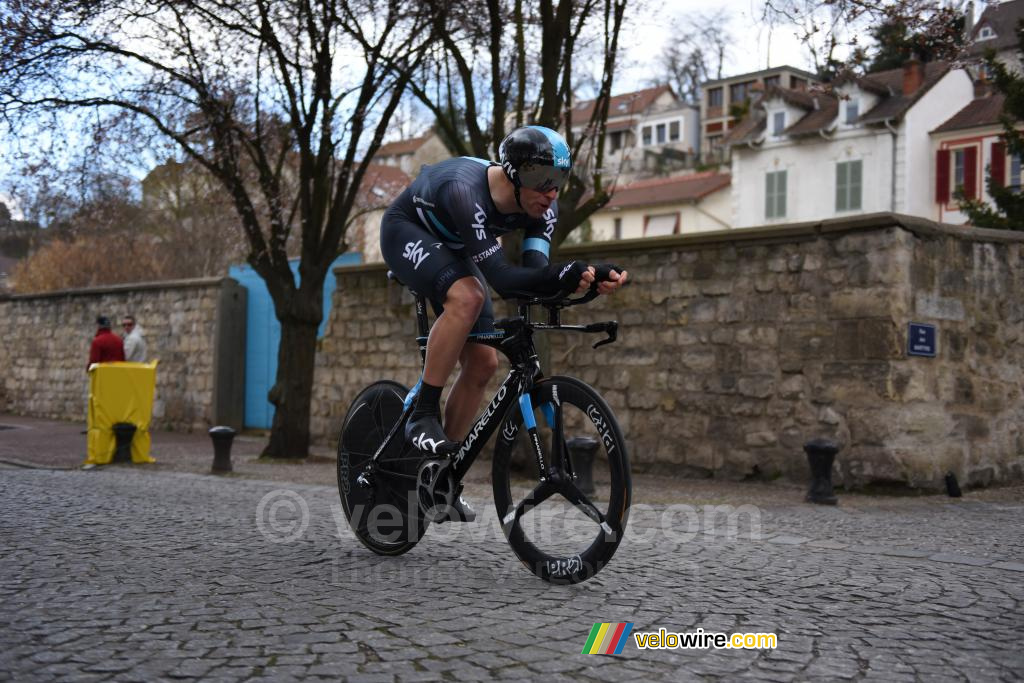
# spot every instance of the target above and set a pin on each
(607, 639)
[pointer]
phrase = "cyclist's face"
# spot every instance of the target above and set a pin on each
(536, 203)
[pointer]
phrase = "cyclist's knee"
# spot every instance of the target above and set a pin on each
(465, 298)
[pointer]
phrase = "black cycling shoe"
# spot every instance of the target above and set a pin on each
(425, 434)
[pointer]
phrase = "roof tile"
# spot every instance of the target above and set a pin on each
(983, 111)
(677, 189)
(626, 104)
(400, 147)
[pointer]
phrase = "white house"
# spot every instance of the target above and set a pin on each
(648, 132)
(722, 97)
(996, 29)
(966, 148)
(698, 202)
(803, 156)
(410, 154)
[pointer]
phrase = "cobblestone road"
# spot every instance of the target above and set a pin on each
(126, 575)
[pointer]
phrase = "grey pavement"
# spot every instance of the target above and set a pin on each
(141, 574)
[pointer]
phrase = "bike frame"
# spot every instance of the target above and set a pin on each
(513, 337)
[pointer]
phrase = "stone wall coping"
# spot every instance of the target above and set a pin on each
(792, 232)
(190, 283)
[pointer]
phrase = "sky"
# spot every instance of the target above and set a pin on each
(755, 46)
(649, 30)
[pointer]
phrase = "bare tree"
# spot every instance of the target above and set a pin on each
(503, 63)
(249, 90)
(696, 53)
(182, 205)
(832, 30)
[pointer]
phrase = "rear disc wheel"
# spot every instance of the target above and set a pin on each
(385, 515)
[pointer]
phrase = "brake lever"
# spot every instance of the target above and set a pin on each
(612, 328)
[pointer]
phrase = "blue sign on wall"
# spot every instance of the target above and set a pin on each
(263, 336)
(921, 340)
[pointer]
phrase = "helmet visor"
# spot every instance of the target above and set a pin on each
(543, 178)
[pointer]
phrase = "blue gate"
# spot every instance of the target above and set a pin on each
(263, 336)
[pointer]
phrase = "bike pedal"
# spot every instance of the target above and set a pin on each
(459, 511)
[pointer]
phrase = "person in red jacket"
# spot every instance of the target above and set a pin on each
(106, 346)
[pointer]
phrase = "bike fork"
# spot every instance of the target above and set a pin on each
(530, 422)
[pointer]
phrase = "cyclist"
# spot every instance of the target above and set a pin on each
(440, 239)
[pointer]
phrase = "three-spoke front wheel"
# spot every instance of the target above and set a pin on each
(566, 524)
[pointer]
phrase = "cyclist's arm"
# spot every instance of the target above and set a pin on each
(537, 241)
(486, 252)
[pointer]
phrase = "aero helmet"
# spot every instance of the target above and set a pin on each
(535, 157)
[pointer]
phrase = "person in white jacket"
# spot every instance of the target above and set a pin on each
(134, 343)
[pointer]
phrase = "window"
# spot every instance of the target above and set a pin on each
(739, 92)
(714, 142)
(772, 82)
(1014, 183)
(714, 97)
(618, 228)
(673, 131)
(778, 123)
(775, 195)
(615, 140)
(797, 83)
(660, 128)
(986, 33)
(848, 185)
(958, 167)
(852, 112)
(662, 224)
(646, 132)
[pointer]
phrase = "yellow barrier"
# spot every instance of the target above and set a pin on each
(120, 392)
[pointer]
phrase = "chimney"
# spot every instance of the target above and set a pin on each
(913, 75)
(968, 21)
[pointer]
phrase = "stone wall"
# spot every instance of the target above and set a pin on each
(737, 347)
(45, 349)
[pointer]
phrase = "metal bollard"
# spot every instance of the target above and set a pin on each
(222, 438)
(820, 455)
(123, 433)
(582, 450)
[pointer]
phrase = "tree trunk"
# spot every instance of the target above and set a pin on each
(292, 390)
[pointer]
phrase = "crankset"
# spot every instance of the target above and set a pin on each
(435, 488)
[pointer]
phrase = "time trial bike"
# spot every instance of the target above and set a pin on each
(564, 517)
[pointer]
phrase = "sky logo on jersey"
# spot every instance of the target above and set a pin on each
(415, 253)
(480, 216)
(551, 219)
(607, 639)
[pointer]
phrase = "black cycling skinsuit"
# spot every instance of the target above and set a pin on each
(445, 226)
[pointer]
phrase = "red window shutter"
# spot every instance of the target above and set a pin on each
(998, 167)
(971, 172)
(942, 176)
